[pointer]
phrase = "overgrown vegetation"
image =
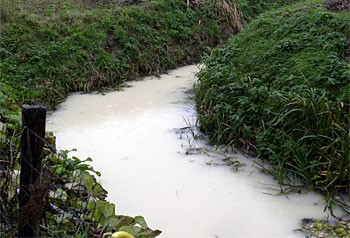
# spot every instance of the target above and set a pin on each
(66, 199)
(281, 90)
(51, 48)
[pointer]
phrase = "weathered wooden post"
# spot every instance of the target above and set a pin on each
(32, 144)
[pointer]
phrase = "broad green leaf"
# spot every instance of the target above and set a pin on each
(102, 210)
(75, 186)
(59, 170)
(59, 194)
(116, 222)
(88, 180)
(131, 229)
(141, 221)
(99, 192)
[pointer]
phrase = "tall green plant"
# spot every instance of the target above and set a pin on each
(280, 89)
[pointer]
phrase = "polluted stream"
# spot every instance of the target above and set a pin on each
(141, 140)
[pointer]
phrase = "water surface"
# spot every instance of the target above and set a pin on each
(134, 140)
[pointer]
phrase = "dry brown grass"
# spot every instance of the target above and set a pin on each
(228, 11)
(231, 12)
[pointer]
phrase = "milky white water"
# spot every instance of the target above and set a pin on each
(131, 137)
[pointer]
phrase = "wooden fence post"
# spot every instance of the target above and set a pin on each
(32, 144)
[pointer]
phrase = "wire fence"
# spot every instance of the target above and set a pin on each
(62, 198)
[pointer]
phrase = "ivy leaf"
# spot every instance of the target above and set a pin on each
(131, 229)
(93, 186)
(99, 192)
(88, 180)
(141, 221)
(59, 194)
(147, 233)
(102, 210)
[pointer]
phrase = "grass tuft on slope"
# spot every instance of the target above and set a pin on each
(281, 89)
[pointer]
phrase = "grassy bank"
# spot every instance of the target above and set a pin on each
(250, 94)
(51, 48)
(281, 90)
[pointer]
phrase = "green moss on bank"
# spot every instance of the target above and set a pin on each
(281, 89)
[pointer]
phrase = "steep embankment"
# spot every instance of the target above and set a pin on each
(281, 89)
(51, 48)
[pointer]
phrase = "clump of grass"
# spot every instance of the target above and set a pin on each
(7, 9)
(225, 9)
(281, 89)
(252, 8)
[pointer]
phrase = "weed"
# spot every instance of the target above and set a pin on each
(49, 49)
(281, 90)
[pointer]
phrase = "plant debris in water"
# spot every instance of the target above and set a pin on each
(323, 229)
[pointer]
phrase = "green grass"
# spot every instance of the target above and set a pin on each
(51, 49)
(281, 89)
